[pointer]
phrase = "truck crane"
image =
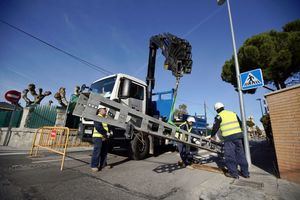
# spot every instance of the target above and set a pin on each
(132, 113)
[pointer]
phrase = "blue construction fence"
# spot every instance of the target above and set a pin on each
(5, 116)
(39, 115)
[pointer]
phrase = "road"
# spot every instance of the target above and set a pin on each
(22, 177)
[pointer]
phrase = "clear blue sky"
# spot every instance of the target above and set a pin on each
(115, 34)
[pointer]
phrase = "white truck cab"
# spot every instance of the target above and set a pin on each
(110, 87)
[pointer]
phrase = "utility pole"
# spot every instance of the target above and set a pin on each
(261, 109)
(205, 118)
(241, 98)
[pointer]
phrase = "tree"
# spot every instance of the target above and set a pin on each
(276, 53)
(182, 109)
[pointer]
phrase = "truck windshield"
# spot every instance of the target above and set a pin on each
(104, 86)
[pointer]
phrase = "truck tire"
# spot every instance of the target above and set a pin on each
(140, 145)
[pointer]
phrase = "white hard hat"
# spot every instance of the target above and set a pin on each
(191, 119)
(101, 106)
(218, 105)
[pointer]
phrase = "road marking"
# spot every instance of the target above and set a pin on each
(12, 154)
(56, 160)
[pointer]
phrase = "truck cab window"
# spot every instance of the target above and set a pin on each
(136, 91)
(103, 86)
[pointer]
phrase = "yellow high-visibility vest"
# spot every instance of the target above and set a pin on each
(187, 127)
(96, 133)
(230, 124)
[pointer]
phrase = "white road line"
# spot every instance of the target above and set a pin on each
(12, 154)
(45, 161)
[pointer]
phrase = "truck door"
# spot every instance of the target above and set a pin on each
(136, 96)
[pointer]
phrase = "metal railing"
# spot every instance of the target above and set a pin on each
(56, 140)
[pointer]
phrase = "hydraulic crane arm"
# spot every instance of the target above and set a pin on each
(178, 59)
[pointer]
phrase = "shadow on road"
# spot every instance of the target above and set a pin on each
(263, 156)
(167, 168)
(119, 162)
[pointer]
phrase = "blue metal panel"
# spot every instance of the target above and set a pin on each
(163, 103)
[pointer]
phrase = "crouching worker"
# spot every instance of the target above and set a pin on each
(184, 150)
(100, 140)
(230, 125)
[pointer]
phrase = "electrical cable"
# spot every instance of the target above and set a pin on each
(91, 65)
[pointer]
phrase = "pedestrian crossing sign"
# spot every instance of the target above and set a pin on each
(252, 79)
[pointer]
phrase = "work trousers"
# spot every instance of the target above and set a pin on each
(234, 155)
(185, 155)
(99, 153)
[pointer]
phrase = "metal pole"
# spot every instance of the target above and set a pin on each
(205, 118)
(261, 109)
(8, 134)
(241, 99)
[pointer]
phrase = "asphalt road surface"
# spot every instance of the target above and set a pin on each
(23, 177)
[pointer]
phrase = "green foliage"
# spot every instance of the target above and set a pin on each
(276, 53)
(292, 26)
(182, 109)
(250, 123)
(258, 131)
(265, 120)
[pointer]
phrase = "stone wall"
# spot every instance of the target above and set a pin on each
(20, 137)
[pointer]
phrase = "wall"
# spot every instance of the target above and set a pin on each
(284, 107)
(21, 138)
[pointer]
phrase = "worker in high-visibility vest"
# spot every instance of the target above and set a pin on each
(100, 140)
(230, 126)
(184, 151)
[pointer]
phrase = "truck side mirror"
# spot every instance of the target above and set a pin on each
(124, 92)
(83, 87)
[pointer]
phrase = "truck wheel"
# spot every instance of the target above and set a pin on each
(140, 146)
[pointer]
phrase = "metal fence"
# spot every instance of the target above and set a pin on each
(5, 117)
(41, 115)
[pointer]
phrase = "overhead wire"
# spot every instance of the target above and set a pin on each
(89, 64)
(199, 104)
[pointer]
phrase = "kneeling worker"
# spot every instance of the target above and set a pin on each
(230, 125)
(100, 140)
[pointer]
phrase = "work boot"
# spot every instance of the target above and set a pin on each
(244, 176)
(181, 163)
(95, 169)
(227, 174)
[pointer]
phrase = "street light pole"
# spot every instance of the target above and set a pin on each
(241, 98)
(261, 109)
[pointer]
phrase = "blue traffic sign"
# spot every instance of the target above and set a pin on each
(251, 79)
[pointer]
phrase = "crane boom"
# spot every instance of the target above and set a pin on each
(178, 59)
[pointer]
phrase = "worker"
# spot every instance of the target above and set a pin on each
(100, 140)
(230, 126)
(184, 151)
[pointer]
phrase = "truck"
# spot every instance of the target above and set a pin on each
(132, 113)
(110, 87)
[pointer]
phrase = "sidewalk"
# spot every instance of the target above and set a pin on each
(262, 184)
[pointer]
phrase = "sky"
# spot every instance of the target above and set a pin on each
(114, 35)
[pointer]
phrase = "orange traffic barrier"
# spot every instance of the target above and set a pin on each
(54, 139)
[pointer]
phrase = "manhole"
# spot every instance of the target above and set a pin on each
(251, 184)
